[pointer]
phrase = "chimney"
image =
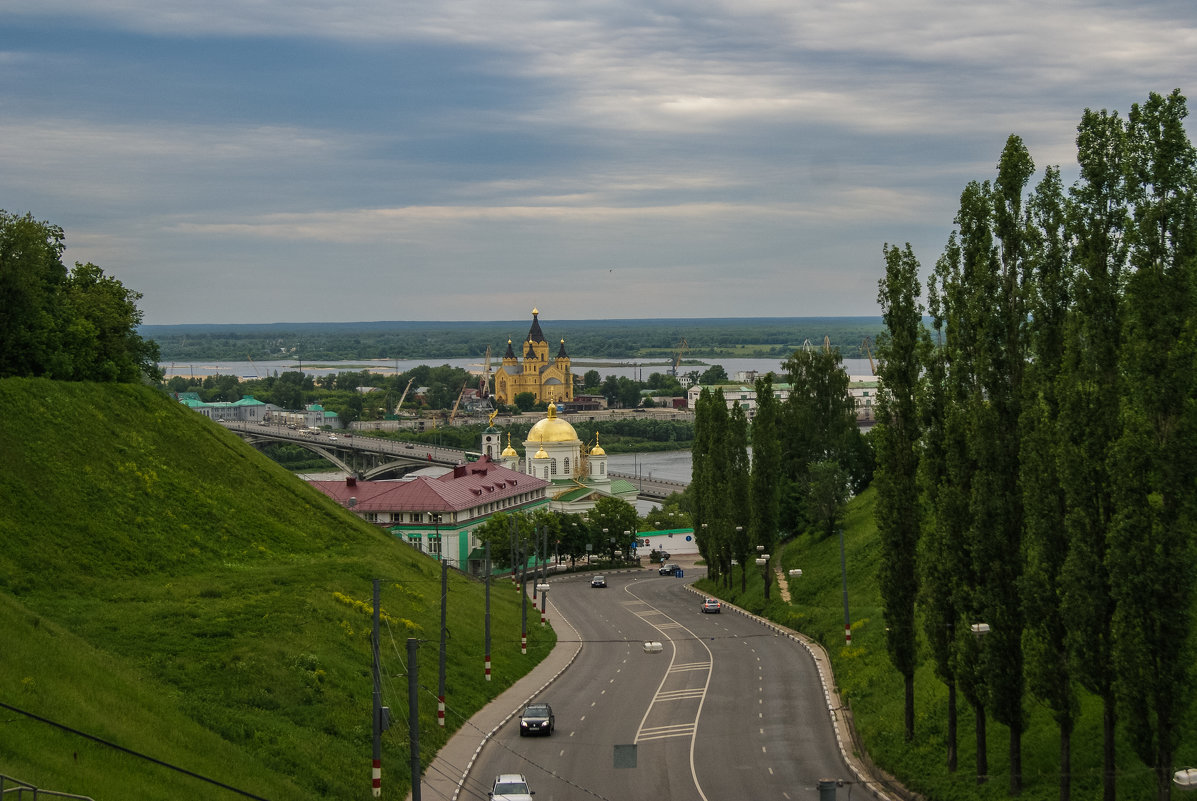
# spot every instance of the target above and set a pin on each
(350, 481)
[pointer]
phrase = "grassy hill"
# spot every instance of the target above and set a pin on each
(873, 690)
(165, 590)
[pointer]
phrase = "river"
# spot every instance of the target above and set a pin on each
(627, 368)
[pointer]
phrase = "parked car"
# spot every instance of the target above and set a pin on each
(598, 581)
(511, 787)
(711, 605)
(537, 718)
(669, 570)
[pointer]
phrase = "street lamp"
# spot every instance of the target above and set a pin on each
(544, 599)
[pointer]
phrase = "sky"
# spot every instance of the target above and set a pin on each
(241, 161)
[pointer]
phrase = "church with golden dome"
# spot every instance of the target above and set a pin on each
(532, 371)
(553, 452)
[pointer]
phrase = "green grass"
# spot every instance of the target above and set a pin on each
(166, 588)
(873, 689)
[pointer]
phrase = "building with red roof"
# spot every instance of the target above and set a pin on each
(437, 515)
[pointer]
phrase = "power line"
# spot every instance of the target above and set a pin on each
(129, 751)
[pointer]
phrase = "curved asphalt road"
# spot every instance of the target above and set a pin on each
(730, 708)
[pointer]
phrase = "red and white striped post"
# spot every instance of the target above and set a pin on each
(376, 777)
(440, 711)
(847, 634)
(523, 642)
(488, 667)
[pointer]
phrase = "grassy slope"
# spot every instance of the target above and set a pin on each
(165, 587)
(873, 689)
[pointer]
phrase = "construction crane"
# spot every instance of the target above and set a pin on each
(457, 402)
(826, 344)
(251, 364)
(484, 383)
(682, 347)
(868, 352)
(404, 395)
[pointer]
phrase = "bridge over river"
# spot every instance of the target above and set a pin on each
(374, 457)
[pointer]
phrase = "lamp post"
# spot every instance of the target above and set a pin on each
(844, 574)
(544, 599)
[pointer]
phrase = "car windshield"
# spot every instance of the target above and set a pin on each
(537, 712)
(511, 788)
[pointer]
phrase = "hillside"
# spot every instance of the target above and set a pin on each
(168, 590)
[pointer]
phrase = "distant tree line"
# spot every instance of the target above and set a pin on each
(615, 339)
(74, 324)
(1037, 455)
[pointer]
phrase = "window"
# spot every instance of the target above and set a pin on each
(602, 468)
(567, 465)
(434, 545)
(414, 541)
(553, 465)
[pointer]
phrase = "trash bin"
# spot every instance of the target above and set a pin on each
(827, 789)
(678, 572)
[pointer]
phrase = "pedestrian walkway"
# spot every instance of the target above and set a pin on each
(783, 586)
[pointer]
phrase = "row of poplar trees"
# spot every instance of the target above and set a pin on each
(791, 470)
(1036, 449)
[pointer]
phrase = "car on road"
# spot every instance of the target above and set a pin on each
(598, 581)
(511, 787)
(668, 570)
(333, 437)
(711, 605)
(537, 718)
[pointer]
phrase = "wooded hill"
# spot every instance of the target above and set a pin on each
(167, 590)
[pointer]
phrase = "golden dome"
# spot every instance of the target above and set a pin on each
(552, 429)
(540, 454)
(597, 449)
(510, 452)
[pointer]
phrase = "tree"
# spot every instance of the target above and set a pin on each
(77, 325)
(616, 516)
(715, 374)
(525, 401)
(828, 490)
(897, 434)
(738, 503)
(1045, 638)
(1152, 571)
(765, 486)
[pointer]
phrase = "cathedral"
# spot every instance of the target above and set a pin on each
(577, 474)
(549, 380)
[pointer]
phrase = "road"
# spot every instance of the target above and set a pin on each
(727, 710)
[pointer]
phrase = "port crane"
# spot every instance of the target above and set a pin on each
(682, 347)
(868, 352)
(457, 402)
(404, 395)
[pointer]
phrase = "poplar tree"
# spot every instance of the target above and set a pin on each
(1152, 570)
(1049, 675)
(765, 481)
(896, 435)
(1087, 425)
(738, 501)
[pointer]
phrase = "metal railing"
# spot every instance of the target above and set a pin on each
(20, 788)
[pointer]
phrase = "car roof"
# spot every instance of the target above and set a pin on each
(510, 777)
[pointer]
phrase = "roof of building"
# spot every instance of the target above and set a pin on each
(534, 333)
(552, 429)
(464, 487)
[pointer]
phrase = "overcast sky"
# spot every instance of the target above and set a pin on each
(300, 160)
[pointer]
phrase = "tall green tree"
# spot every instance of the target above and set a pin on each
(1088, 397)
(766, 475)
(896, 435)
(738, 492)
(1152, 569)
(76, 325)
(1049, 675)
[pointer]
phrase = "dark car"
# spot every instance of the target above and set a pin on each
(598, 581)
(668, 570)
(537, 719)
(710, 605)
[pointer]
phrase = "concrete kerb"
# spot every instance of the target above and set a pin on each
(868, 775)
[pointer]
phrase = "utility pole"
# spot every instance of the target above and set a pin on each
(413, 717)
(440, 693)
(486, 628)
(376, 768)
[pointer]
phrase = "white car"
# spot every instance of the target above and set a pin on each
(511, 787)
